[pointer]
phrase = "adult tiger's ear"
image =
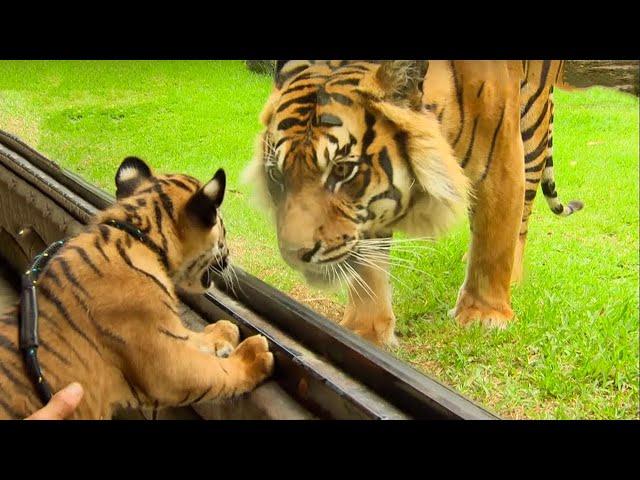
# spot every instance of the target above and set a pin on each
(284, 70)
(204, 204)
(441, 193)
(400, 81)
(279, 66)
(130, 174)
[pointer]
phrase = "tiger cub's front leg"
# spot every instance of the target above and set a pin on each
(175, 369)
(220, 338)
(369, 312)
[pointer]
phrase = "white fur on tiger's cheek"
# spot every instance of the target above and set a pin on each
(127, 173)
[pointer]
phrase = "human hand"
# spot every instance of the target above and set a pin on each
(61, 405)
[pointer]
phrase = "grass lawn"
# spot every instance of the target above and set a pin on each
(573, 353)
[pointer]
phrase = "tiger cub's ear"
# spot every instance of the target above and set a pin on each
(401, 81)
(203, 205)
(130, 174)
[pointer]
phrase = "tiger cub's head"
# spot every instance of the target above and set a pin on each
(348, 153)
(180, 218)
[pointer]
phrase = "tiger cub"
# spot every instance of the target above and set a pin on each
(108, 310)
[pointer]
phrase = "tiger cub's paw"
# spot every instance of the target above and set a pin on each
(255, 360)
(224, 337)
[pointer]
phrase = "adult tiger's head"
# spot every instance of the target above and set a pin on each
(349, 152)
(180, 218)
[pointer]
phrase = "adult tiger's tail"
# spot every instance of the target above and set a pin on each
(548, 185)
(536, 127)
(547, 182)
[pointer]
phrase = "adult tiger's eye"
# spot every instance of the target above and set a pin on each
(275, 175)
(342, 170)
(276, 183)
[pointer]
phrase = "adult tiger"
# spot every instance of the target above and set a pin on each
(353, 150)
(108, 310)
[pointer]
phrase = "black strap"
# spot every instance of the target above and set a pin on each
(28, 321)
(28, 316)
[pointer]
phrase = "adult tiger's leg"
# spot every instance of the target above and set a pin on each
(495, 222)
(536, 131)
(369, 312)
(518, 262)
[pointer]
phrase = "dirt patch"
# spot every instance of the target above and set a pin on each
(241, 253)
(410, 348)
(318, 302)
(26, 131)
(16, 119)
(237, 248)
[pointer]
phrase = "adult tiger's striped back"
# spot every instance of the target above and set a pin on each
(108, 309)
(353, 150)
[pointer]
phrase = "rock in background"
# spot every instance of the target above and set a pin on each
(620, 74)
(266, 67)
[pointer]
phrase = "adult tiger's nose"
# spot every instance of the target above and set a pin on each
(305, 254)
(295, 254)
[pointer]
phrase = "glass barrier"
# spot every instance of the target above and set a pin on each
(337, 166)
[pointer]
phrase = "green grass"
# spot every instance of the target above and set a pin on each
(573, 353)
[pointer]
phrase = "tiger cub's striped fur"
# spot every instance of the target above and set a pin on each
(354, 150)
(108, 310)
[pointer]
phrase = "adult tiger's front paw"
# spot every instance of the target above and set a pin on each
(470, 310)
(254, 359)
(377, 328)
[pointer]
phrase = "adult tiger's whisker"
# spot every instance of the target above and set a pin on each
(385, 257)
(396, 263)
(346, 275)
(394, 241)
(397, 248)
(368, 263)
(361, 281)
